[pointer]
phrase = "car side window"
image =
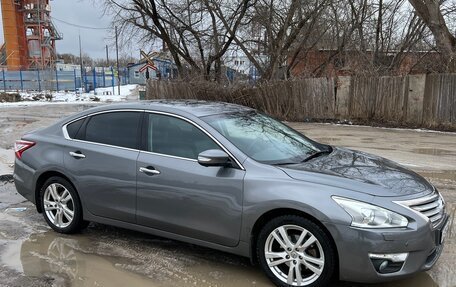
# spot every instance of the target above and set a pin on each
(116, 128)
(173, 136)
(73, 128)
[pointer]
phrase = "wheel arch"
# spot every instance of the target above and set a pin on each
(40, 182)
(271, 214)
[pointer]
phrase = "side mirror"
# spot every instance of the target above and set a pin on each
(213, 157)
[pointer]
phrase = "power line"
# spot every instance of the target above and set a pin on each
(80, 26)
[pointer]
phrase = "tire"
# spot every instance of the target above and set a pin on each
(61, 206)
(314, 245)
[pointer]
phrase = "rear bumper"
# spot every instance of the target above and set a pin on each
(24, 180)
(354, 246)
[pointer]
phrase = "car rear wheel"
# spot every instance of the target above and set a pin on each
(61, 206)
(294, 251)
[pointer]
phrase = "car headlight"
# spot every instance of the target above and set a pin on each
(366, 215)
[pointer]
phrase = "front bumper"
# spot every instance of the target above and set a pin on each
(354, 245)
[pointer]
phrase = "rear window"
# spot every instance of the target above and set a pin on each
(73, 128)
(117, 129)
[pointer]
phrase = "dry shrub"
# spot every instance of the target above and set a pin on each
(416, 101)
(288, 100)
(9, 97)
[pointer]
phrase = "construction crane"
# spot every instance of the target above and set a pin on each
(29, 35)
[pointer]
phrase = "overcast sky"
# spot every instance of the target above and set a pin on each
(84, 13)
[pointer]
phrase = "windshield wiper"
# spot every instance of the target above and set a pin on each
(327, 150)
(317, 154)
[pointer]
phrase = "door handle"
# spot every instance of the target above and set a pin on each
(149, 170)
(77, 154)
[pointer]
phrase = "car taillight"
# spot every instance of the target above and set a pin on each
(20, 146)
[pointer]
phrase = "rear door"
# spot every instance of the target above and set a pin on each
(182, 196)
(102, 157)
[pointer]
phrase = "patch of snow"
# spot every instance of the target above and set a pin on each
(99, 95)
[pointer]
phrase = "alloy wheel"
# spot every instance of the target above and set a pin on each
(294, 255)
(58, 205)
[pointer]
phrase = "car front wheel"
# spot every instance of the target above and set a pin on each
(61, 206)
(294, 251)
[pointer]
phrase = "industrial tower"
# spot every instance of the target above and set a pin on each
(29, 35)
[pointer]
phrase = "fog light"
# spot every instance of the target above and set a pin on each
(388, 263)
(383, 266)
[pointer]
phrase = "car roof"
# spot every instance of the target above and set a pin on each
(194, 107)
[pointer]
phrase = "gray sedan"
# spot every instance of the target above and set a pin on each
(233, 179)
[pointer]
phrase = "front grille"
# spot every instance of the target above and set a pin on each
(431, 206)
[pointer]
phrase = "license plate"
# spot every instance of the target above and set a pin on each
(444, 231)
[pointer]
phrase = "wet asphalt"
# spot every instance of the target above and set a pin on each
(31, 254)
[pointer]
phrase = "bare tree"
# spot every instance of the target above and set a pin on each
(190, 30)
(376, 37)
(431, 12)
(273, 29)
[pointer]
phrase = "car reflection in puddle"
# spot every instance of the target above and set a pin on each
(65, 260)
(62, 259)
(77, 261)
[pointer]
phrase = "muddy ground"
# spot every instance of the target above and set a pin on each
(33, 255)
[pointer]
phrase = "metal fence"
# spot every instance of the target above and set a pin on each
(53, 80)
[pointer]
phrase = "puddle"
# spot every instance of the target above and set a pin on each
(27, 120)
(87, 260)
(442, 175)
(420, 280)
(367, 140)
(6, 178)
(15, 209)
(433, 151)
(61, 259)
(84, 261)
(327, 140)
(382, 148)
(346, 135)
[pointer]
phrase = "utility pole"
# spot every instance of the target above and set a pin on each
(118, 67)
(40, 33)
(107, 55)
(80, 57)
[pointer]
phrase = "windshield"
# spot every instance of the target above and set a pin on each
(263, 138)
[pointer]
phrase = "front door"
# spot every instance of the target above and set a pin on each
(178, 195)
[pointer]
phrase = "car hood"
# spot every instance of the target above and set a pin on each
(359, 171)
